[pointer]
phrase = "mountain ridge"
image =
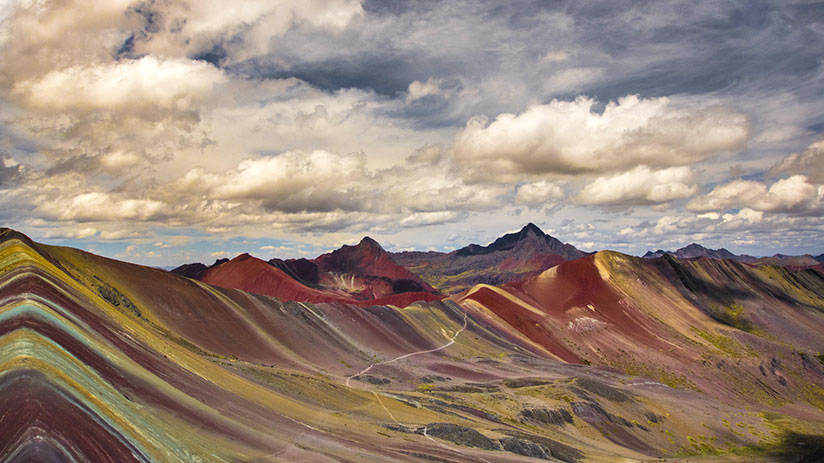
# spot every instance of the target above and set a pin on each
(510, 257)
(353, 274)
(365, 270)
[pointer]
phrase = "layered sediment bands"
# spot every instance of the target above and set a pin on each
(104, 361)
(704, 324)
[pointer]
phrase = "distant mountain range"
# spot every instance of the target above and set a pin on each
(512, 257)
(695, 250)
(365, 273)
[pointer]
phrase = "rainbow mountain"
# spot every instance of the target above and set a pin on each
(604, 357)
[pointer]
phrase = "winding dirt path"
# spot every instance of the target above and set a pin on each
(405, 356)
(428, 351)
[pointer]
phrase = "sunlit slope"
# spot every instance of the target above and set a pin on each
(107, 361)
(732, 331)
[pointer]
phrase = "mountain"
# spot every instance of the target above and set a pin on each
(196, 270)
(360, 274)
(784, 260)
(367, 265)
(512, 257)
(529, 238)
(257, 276)
(695, 250)
(605, 358)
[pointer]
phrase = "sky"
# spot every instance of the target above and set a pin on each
(172, 131)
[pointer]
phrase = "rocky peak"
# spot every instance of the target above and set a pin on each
(531, 238)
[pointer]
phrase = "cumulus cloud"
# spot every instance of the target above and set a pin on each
(185, 27)
(707, 223)
(809, 162)
(101, 207)
(418, 89)
(127, 86)
(79, 233)
(790, 195)
(433, 188)
(640, 186)
(569, 137)
(116, 161)
(327, 190)
(538, 193)
(319, 181)
(431, 218)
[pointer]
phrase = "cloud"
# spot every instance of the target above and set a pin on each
(122, 234)
(708, 223)
(555, 56)
(640, 186)
(791, 195)
(319, 181)
(117, 161)
(9, 171)
(186, 27)
(81, 233)
(538, 193)
(572, 79)
(427, 154)
(433, 188)
(128, 86)
(809, 162)
(419, 219)
(101, 207)
(568, 137)
(418, 89)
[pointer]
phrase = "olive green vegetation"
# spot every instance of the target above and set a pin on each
(733, 315)
(725, 343)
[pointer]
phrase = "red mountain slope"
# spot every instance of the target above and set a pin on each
(254, 275)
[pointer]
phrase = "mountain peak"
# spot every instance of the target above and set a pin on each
(530, 236)
(694, 250)
(369, 243)
(531, 227)
(694, 246)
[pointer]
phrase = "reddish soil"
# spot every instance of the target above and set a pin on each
(367, 258)
(578, 283)
(253, 275)
(523, 320)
